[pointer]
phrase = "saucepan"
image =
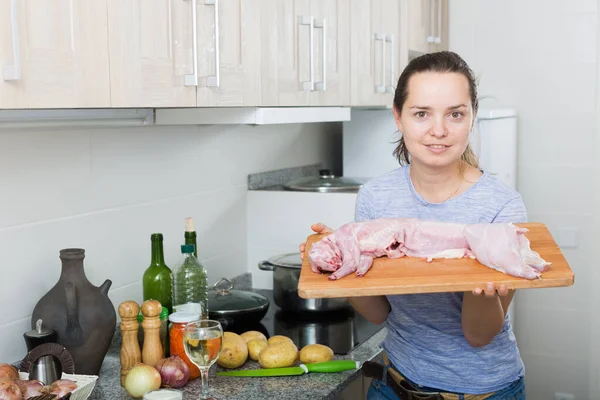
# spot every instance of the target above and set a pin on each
(286, 274)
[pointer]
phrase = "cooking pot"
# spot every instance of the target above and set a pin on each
(235, 308)
(326, 182)
(286, 274)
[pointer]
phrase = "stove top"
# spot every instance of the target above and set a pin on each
(342, 331)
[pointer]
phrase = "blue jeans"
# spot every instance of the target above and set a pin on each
(515, 391)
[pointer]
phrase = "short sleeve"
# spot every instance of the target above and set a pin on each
(513, 211)
(364, 205)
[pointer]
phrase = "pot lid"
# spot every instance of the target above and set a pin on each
(39, 331)
(228, 301)
(289, 260)
(325, 182)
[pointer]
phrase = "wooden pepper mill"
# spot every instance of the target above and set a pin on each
(152, 349)
(130, 347)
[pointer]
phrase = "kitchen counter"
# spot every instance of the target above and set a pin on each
(312, 385)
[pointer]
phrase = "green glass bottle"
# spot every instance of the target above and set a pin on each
(190, 234)
(158, 278)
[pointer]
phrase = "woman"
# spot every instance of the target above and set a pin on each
(458, 344)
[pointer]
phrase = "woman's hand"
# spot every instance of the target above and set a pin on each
(317, 228)
(490, 290)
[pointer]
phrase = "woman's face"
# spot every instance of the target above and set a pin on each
(436, 118)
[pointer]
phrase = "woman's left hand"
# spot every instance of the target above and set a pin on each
(490, 290)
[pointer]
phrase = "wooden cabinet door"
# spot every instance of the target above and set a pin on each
(420, 25)
(285, 30)
(228, 53)
(367, 41)
(331, 52)
(440, 41)
(54, 54)
(150, 46)
(394, 26)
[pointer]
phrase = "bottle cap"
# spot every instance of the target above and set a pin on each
(164, 314)
(187, 248)
(183, 316)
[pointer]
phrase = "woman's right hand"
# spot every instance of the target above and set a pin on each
(317, 228)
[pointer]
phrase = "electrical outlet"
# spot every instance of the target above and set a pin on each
(563, 396)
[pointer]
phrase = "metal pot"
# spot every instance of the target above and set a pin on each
(235, 308)
(286, 274)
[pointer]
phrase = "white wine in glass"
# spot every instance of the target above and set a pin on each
(202, 341)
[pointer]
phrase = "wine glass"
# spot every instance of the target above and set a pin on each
(202, 342)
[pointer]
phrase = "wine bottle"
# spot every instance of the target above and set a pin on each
(190, 234)
(158, 277)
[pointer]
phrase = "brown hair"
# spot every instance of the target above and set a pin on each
(443, 61)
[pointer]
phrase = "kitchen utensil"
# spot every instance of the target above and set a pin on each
(152, 349)
(325, 182)
(233, 307)
(286, 274)
(54, 350)
(325, 367)
(38, 336)
(46, 369)
(130, 346)
(414, 275)
(82, 314)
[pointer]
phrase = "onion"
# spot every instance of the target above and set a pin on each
(141, 379)
(9, 390)
(60, 387)
(173, 371)
(30, 388)
(8, 371)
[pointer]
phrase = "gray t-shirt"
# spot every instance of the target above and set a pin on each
(425, 341)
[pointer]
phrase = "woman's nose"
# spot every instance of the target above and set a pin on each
(438, 128)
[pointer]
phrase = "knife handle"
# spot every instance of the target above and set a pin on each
(333, 366)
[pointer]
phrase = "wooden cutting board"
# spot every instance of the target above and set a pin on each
(412, 275)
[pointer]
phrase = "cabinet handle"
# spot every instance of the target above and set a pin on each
(430, 37)
(213, 81)
(192, 80)
(13, 72)
(378, 37)
(320, 24)
(309, 20)
(390, 39)
(438, 38)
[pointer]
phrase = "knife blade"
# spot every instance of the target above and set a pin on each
(324, 367)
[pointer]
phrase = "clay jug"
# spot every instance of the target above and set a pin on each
(82, 315)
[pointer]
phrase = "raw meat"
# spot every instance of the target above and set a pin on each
(352, 248)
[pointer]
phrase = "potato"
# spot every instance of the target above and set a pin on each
(313, 353)
(234, 351)
(255, 346)
(279, 338)
(278, 355)
(247, 336)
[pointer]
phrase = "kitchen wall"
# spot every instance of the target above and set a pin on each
(107, 190)
(542, 59)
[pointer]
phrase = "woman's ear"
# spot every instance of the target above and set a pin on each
(397, 119)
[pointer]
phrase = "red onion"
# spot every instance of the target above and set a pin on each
(30, 388)
(9, 390)
(8, 371)
(173, 371)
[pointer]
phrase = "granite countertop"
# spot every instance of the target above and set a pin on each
(312, 385)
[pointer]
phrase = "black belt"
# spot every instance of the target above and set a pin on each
(403, 389)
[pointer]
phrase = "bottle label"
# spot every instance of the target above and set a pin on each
(195, 308)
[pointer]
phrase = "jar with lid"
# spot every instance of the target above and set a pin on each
(164, 330)
(178, 321)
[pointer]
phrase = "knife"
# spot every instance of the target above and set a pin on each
(326, 366)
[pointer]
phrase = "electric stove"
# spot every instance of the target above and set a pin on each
(342, 331)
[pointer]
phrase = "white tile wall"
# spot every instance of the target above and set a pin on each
(107, 190)
(541, 58)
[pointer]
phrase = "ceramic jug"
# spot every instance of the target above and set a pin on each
(80, 313)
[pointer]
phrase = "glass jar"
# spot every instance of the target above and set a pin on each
(164, 330)
(178, 321)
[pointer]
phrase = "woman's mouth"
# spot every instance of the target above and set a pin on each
(437, 148)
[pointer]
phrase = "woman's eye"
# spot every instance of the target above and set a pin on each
(456, 114)
(420, 114)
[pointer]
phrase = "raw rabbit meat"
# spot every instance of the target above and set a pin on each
(352, 248)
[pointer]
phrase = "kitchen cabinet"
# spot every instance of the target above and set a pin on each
(184, 53)
(379, 51)
(305, 52)
(54, 54)
(428, 25)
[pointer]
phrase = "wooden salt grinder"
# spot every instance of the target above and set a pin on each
(130, 347)
(152, 350)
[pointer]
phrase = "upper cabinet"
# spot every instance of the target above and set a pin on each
(379, 50)
(305, 52)
(54, 54)
(428, 25)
